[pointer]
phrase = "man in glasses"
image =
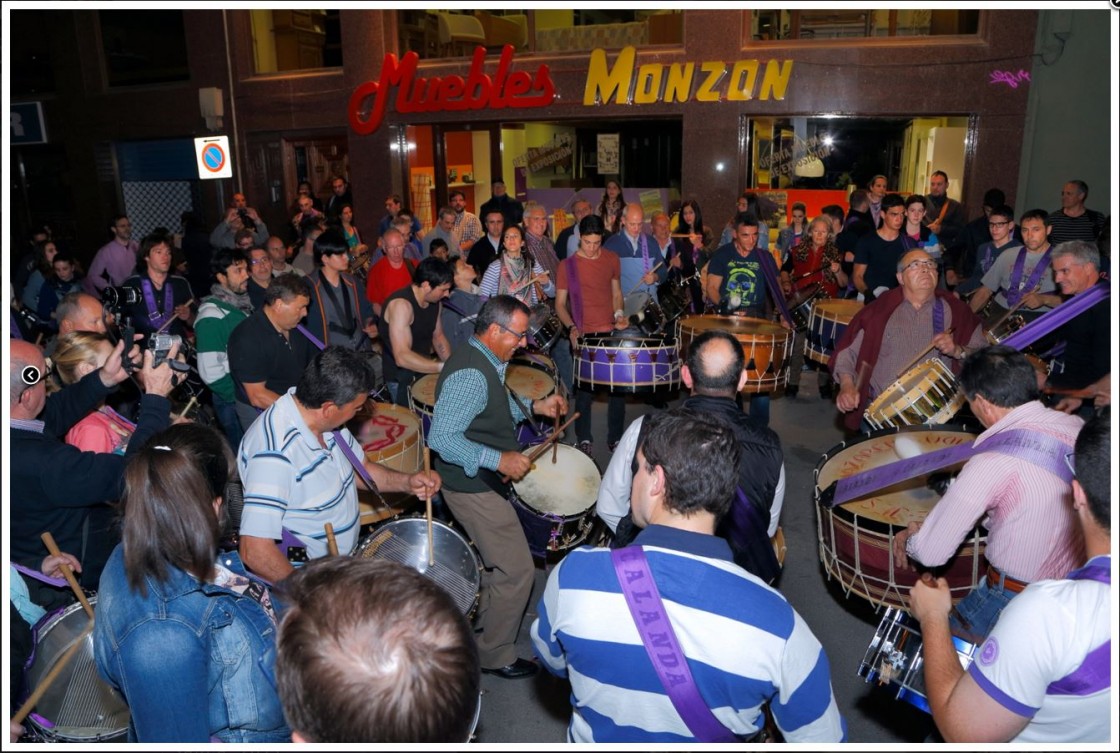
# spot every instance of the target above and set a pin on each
(260, 276)
(1019, 491)
(1001, 232)
(884, 336)
(1042, 675)
(474, 435)
(1022, 279)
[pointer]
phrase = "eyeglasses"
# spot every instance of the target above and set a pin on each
(519, 335)
(920, 264)
(1069, 462)
(999, 224)
(255, 262)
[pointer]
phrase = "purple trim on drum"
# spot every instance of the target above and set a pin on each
(997, 695)
(627, 367)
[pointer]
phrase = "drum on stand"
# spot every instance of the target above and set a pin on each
(1000, 330)
(926, 394)
(674, 298)
(457, 569)
(389, 435)
(627, 364)
(801, 305)
(827, 322)
(78, 706)
(767, 346)
(556, 502)
(856, 538)
(894, 657)
(644, 314)
(545, 327)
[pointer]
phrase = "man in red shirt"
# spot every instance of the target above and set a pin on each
(391, 273)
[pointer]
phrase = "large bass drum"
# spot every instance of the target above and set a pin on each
(856, 538)
(457, 569)
(78, 706)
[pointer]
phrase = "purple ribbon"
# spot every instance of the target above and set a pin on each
(652, 622)
(156, 318)
(770, 272)
(1015, 294)
(1058, 316)
(57, 582)
(1041, 450)
(314, 340)
(575, 293)
(1094, 674)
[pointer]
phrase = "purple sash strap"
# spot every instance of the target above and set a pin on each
(575, 293)
(1056, 317)
(454, 309)
(769, 271)
(1094, 674)
(661, 644)
(156, 317)
(938, 316)
(1042, 450)
(645, 252)
(1015, 294)
(57, 582)
(314, 340)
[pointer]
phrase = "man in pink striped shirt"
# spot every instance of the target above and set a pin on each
(1025, 503)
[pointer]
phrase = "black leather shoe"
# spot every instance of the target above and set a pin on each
(519, 669)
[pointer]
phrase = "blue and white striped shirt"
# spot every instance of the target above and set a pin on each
(744, 643)
(292, 481)
(461, 400)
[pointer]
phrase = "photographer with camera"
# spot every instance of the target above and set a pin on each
(154, 300)
(240, 216)
(54, 486)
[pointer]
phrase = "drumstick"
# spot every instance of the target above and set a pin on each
(52, 675)
(640, 283)
(555, 430)
(168, 322)
(1013, 309)
(67, 572)
(921, 355)
(542, 448)
(821, 268)
(1084, 393)
(190, 404)
(861, 374)
(428, 505)
(332, 542)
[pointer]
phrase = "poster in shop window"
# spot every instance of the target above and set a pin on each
(608, 154)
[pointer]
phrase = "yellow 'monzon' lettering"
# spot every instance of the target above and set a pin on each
(649, 83)
(678, 82)
(775, 79)
(715, 71)
(739, 90)
(603, 84)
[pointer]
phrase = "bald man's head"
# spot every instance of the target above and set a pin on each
(26, 370)
(80, 312)
(715, 364)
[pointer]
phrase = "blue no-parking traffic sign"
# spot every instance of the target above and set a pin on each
(213, 157)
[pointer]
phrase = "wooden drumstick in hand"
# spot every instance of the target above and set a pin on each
(920, 356)
(428, 505)
(332, 542)
(556, 431)
(52, 547)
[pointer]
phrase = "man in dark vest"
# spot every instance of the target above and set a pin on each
(410, 330)
(474, 435)
(714, 373)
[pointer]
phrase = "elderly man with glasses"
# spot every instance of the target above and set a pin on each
(883, 336)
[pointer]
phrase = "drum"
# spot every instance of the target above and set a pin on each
(627, 364)
(644, 313)
(556, 502)
(674, 298)
(1005, 328)
(78, 706)
(802, 303)
(545, 327)
(457, 569)
(856, 538)
(767, 345)
(926, 394)
(894, 657)
(827, 322)
(422, 400)
(391, 436)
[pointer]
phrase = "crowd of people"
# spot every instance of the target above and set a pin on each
(240, 626)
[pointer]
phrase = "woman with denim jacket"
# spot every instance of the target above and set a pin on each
(181, 631)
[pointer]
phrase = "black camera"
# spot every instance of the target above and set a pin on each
(161, 344)
(116, 297)
(246, 220)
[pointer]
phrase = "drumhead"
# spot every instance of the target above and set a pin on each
(388, 434)
(837, 309)
(79, 705)
(567, 488)
(423, 393)
(529, 382)
(457, 569)
(736, 325)
(898, 505)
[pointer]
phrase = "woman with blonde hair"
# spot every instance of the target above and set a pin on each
(103, 430)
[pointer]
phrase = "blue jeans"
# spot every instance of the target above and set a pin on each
(228, 420)
(616, 416)
(760, 408)
(976, 614)
(561, 354)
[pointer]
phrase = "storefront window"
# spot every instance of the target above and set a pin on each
(839, 24)
(437, 34)
(143, 47)
(819, 161)
(295, 39)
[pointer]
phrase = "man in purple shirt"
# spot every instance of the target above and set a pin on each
(115, 261)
